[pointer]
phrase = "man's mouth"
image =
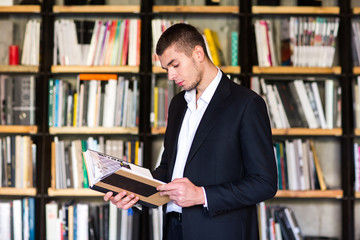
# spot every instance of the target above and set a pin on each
(180, 83)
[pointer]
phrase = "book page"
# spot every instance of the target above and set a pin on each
(140, 170)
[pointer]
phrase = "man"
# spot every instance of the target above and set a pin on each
(218, 156)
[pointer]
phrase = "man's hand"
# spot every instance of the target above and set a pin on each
(122, 200)
(183, 192)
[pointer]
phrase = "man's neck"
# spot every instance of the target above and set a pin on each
(209, 75)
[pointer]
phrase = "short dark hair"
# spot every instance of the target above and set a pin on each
(184, 36)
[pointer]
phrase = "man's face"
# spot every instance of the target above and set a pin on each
(181, 68)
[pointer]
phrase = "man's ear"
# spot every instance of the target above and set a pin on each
(198, 53)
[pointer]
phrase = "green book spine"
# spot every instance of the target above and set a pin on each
(234, 48)
(86, 180)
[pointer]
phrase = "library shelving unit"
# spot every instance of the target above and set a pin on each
(337, 201)
(18, 15)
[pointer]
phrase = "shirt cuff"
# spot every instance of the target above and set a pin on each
(206, 203)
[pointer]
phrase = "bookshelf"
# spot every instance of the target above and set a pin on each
(338, 200)
(94, 69)
(296, 70)
(294, 10)
(93, 130)
(19, 69)
(18, 129)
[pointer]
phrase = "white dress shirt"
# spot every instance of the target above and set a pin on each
(188, 129)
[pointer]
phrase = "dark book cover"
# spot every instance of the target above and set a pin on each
(84, 30)
(4, 178)
(101, 221)
(9, 86)
(119, 175)
(75, 2)
(286, 231)
(309, 3)
(289, 102)
(93, 223)
(22, 106)
(268, 2)
(296, 101)
(11, 164)
(85, 103)
(136, 226)
(105, 209)
(68, 168)
(212, 2)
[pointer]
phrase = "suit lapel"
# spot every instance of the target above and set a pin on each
(213, 111)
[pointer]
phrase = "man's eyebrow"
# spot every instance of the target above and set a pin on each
(169, 63)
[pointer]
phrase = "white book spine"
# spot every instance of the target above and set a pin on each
(91, 103)
(17, 219)
(329, 103)
(319, 105)
(304, 99)
(291, 166)
(5, 226)
(93, 43)
(82, 221)
(109, 103)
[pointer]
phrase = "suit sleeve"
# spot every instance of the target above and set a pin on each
(259, 181)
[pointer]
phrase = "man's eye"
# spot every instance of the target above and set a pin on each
(177, 65)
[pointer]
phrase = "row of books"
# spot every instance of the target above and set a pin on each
(355, 42)
(277, 223)
(215, 47)
(97, 100)
(357, 167)
(31, 45)
(73, 221)
(17, 100)
(356, 101)
(301, 103)
(17, 162)
(298, 165)
(17, 219)
(113, 43)
(29, 50)
(162, 91)
(296, 41)
(68, 167)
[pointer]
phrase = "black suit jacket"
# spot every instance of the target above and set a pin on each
(231, 156)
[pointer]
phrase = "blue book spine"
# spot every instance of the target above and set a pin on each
(31, 219)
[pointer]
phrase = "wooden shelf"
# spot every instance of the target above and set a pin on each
(294, 10)
(97, 9)
(357, 132)
(93, 130)
(225, 69)
(310, 194)
(19, 68)
(81, 192)
(296, 70)
(307, 131)
(94, 69)
(21, 9)
(195, 9)
(283, 131)
(158, 130)
(356, 10)
(32, 129)
(18, 191)
(356, 70)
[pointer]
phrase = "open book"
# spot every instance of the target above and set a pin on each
(107, 173)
